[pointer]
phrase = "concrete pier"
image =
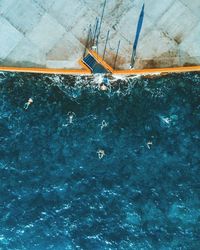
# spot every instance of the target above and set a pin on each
(53, 33)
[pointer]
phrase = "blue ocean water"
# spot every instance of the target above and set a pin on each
(55, 192)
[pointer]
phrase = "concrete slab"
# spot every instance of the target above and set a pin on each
(190, 47)
(80, 30)
(46, 33)
(175, 23)
(5, 5)
(155, 9)
(46, 4)
(24, 15)
(62, 54)
(63, 64)
(54, 32)
(68, 13)
(9, 38)
(115, 10)
(193, 5)
(128, 25)
(148, 47)
(24, 54)
(152, 54)
(124, 56)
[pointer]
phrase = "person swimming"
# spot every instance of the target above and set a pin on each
(105, 84)
(103, 87)
(104, 124)
(27, 104)
(149, 144)
(101, 153)
(71, 116)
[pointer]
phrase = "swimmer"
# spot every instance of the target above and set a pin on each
(105, 84)
(149, 144)
(103, 87)
(27, 104)
(104, 124)
(71, 115)
(101, 153)
(166, 120)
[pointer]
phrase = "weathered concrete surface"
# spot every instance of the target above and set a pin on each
(53, 33)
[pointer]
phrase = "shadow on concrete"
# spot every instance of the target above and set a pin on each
(137, 35)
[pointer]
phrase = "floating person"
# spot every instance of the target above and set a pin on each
(149, 144)
(27, 104)
(101, 153)
(71, 116)
(165, 121)
(104, 124)
(105, 84)
(103, 87)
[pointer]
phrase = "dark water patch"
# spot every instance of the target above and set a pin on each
(55, 193)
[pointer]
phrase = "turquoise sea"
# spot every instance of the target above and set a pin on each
(55, 192)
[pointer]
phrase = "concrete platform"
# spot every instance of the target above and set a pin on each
(53, 33)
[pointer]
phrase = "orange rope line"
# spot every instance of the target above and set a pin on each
(85, 70)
